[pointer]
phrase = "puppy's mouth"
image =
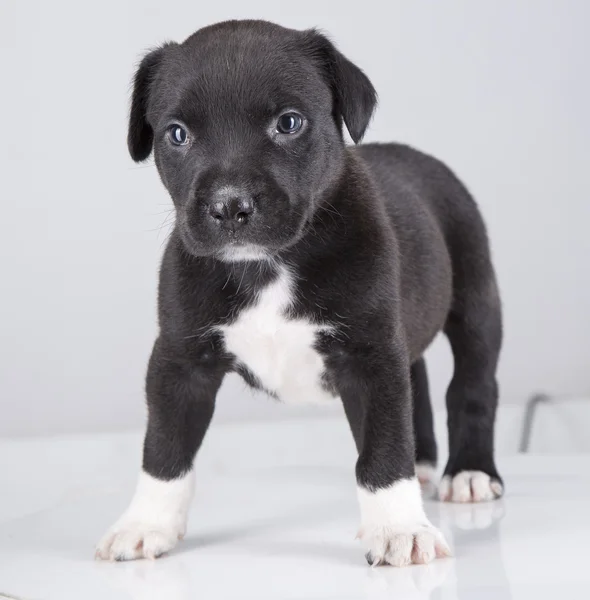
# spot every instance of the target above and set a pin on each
(228, 247)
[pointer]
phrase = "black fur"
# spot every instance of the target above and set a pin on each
(426, 451)
(387, 245)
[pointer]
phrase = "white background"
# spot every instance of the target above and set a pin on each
(499, 89)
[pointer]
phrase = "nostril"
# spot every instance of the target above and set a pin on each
(217, 211)
(239, 209)
(231, 212)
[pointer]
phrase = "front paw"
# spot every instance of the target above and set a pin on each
(155, 520)
(400, 546)
(395, 528)
(131, 540)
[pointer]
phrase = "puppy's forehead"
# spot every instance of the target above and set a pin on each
(248, 67)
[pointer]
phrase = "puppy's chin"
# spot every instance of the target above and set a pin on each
(244, 253)
(248, 251)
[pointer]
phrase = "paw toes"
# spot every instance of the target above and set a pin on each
(425, 473)
(403, 549)
(423, 551)
(497, 488)
(481, 488)
(127, 545)
(441, 548)
(156, 543)
(133, 543)
(469, 486)
(461, 487)
(374, 560)
(399, 553)
(444, 489)
(103, 547)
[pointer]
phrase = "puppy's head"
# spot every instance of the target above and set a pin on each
(245, 121)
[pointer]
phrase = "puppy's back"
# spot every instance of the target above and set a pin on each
(418, 189)
(441, 234)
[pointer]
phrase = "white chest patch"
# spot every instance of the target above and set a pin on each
(279, 351)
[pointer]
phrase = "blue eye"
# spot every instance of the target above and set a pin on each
(290, 122)
(178, 135)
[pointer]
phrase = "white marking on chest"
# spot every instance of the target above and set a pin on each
(277, 349)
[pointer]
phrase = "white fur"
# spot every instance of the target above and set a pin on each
(246, 252)
(469, 486)
(277, 349)
(425, 472)
(153, 523)
(395, 528)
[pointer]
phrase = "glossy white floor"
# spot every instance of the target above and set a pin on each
(275, 516)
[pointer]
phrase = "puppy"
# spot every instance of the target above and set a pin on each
(315, 271)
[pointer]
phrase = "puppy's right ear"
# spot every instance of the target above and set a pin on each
(140, 136)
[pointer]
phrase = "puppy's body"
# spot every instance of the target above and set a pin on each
(419, 193)
(323, 272)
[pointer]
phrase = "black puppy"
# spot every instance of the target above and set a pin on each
(315, 271)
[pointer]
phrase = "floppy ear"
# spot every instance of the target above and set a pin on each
(140, 136)
(355, 97)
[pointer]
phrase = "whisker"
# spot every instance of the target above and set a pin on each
(227, 281)
(244, 267)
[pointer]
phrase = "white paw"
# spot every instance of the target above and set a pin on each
(153, 523)
(395, 529)
(469, 486)
(425, 473)
(403, 545)
(132, 540)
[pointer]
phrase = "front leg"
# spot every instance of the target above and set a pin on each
(375, 389)
(181, 397)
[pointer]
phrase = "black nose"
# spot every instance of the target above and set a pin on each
(232, 212)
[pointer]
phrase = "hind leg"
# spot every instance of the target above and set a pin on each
(426, 453)
(474, 329)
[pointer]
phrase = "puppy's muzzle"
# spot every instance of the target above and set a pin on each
(232, 208)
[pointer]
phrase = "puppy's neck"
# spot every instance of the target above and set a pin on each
(338, 212)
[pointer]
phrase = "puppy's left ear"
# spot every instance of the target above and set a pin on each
(140, 135)
(354, 96)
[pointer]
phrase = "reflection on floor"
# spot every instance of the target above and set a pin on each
(275, 516)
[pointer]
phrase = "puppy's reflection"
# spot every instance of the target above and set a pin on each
(165, 579)
(475, 531)
(477, 517)
(417, 582)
